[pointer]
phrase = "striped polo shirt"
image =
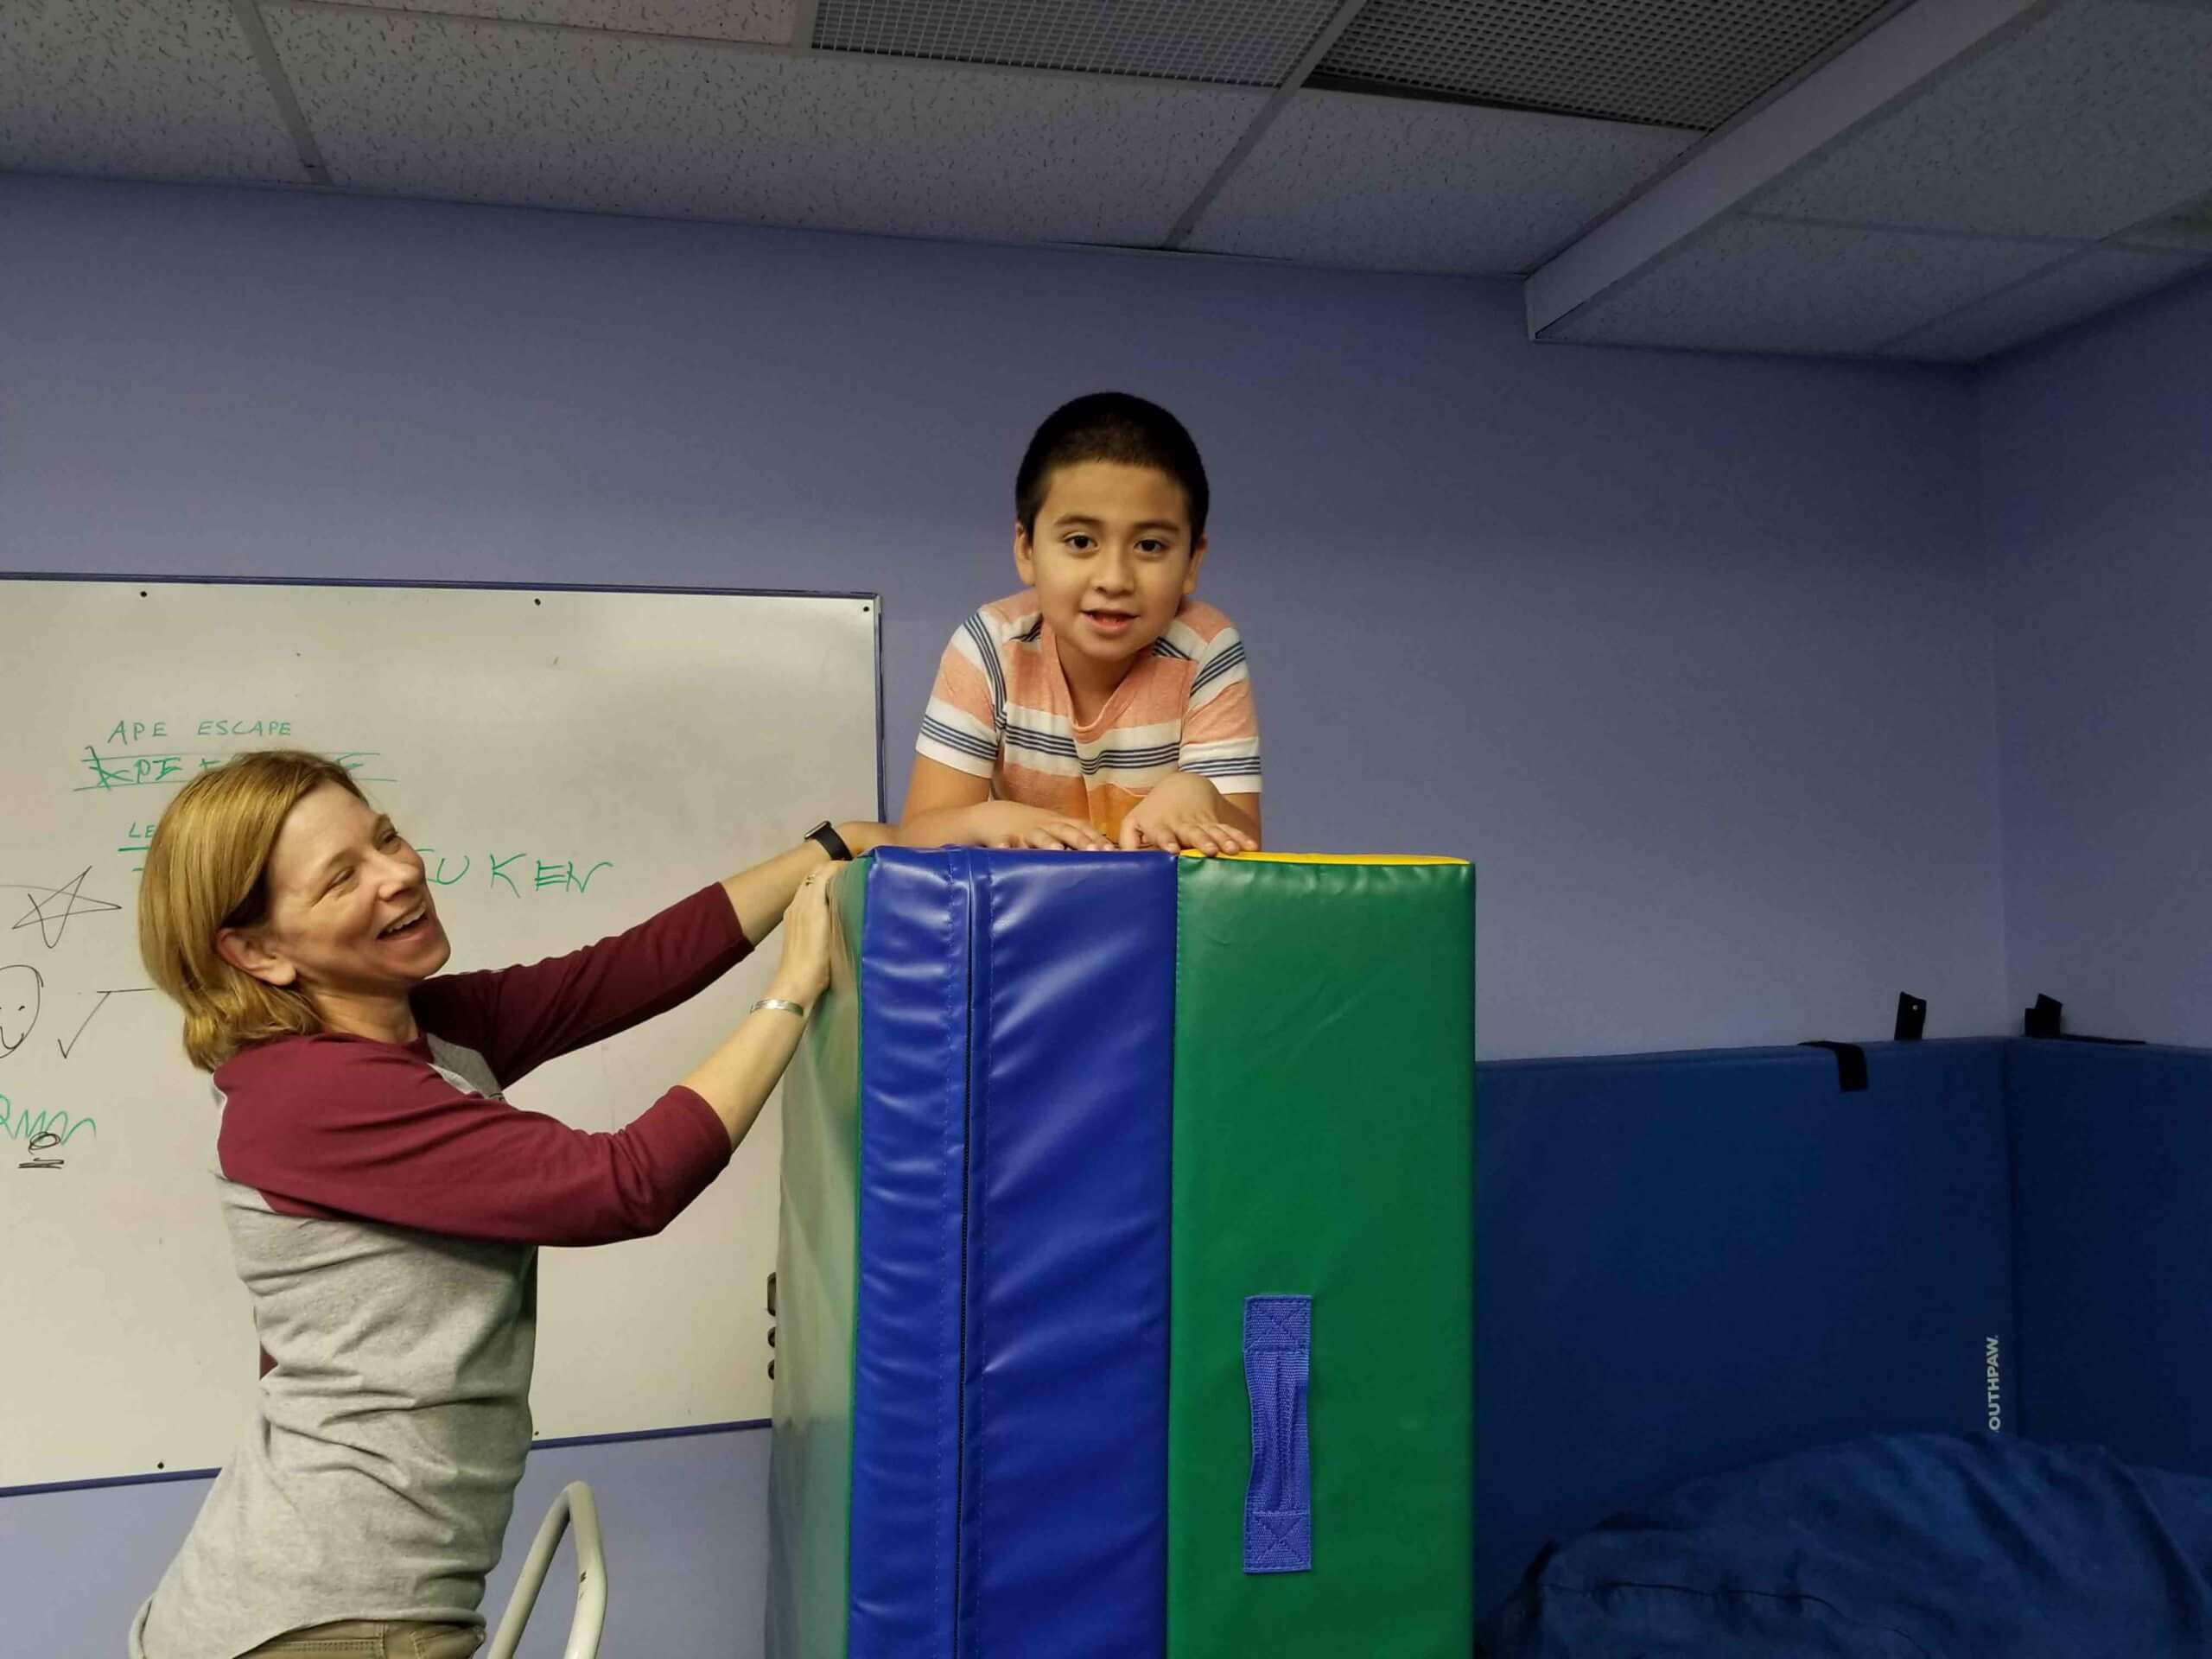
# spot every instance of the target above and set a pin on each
(1002, 709)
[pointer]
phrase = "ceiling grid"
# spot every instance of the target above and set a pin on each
(2056, 169)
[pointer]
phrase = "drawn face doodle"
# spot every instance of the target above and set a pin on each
(21, 987)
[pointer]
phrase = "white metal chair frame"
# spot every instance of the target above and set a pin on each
(575, 1503)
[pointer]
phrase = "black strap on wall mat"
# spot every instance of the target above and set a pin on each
(1850, 1065)
(2043, 1021)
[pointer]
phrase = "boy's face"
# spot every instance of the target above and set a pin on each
(1111, 559)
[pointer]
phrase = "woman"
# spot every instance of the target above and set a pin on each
(385, 1202)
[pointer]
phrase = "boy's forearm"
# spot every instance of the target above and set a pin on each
(1233, 813)
(942, 826)
(1237, 811)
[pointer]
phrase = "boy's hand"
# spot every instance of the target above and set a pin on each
(1009, 824)
(1186, 812)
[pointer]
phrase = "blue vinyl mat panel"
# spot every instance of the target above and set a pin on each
(2111, 1150)
(914, 1157)
(1063, 1478)
(1687, 1262)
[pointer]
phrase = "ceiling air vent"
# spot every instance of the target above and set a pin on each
(1236, 42)
(1676, 63)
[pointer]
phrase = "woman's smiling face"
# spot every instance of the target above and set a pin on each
(350, 914)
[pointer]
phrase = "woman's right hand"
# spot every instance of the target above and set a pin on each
(803, 972)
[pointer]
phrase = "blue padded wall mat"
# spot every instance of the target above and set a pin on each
(914, 968)
(1063, 1478)
(2111, 1148)
(1687, 1263)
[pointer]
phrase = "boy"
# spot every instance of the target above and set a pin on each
(1102, 706)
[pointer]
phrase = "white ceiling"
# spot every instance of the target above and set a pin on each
(2019, 185)
(566, 118)
(1340, 179)
(2011, 167)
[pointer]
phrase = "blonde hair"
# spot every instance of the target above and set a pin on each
(208, 869)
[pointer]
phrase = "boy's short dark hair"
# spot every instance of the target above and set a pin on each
(1109, 426)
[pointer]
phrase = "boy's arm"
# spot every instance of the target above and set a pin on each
(1186, 812)
(1242, 812)
(948, 797)
(940, 801)
(946, 807)
(1211, 803)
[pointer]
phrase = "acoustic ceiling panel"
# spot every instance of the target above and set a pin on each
(500, 112)
(2095, 117)
(1682, 63)
(158, 89)
(2192, 229)
(764, 21)
(1238, 42)
(1754, 285)
(2080, 287)
(1397, 184)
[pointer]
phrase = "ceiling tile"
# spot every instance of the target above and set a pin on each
(148, 89)
(2097, 117)
(766, 21)
(1689, 63)
(1390, 182)
(484, 111)
(1765, 286)
(1236, 42)
(2067, 294)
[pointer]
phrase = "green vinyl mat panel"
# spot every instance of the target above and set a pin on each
(809, 1481)
(1322, 1147)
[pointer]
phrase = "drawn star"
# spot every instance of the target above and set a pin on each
(52, 908)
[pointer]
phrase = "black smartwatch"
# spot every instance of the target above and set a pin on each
(826, 837)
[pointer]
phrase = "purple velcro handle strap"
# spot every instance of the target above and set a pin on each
(1279, 1497)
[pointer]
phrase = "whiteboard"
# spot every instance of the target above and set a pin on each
(570, 762)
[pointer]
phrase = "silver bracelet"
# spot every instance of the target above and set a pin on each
(778, 1005)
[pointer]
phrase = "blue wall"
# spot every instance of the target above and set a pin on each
(1693, 654)
(2097, 462)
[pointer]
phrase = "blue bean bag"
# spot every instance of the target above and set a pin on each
(1908, 1547)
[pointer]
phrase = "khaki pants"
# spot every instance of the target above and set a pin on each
(361, 1638)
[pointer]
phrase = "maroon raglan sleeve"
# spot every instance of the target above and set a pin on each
(336, 1126)
(519, 1018)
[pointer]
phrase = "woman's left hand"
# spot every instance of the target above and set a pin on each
(804, 973)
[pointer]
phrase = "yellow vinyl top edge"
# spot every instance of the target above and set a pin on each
(1332, 858)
